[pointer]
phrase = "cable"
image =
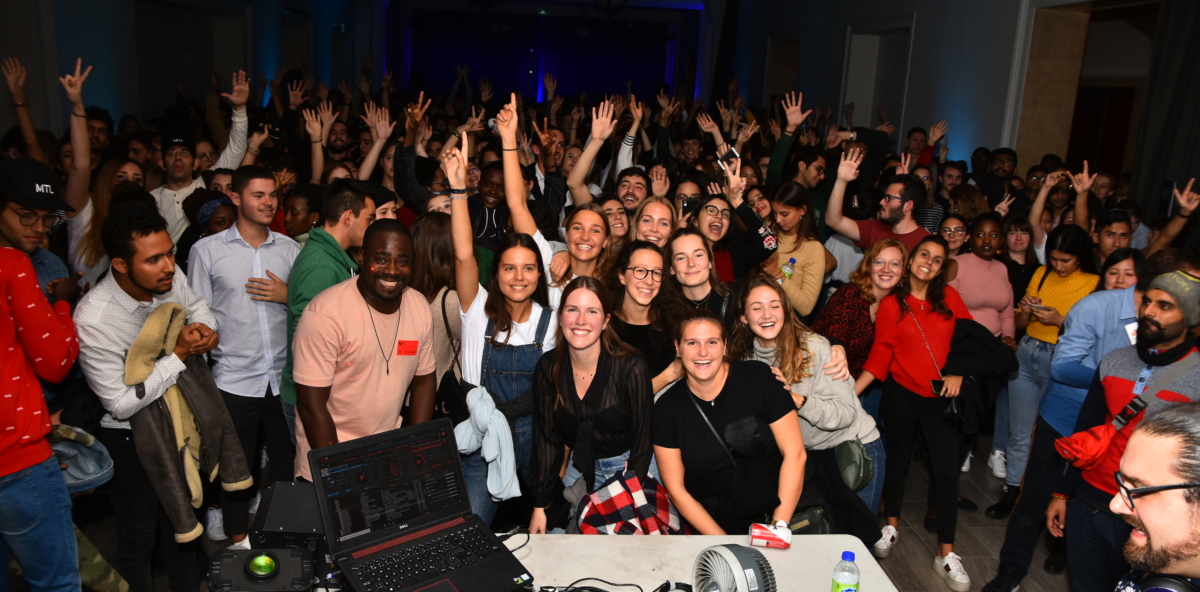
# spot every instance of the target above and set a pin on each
(522, 544)
(570, 587)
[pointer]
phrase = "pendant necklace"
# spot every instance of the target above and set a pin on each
(387, 359)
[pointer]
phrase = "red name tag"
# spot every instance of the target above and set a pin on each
(406, 348)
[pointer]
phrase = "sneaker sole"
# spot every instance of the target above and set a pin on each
(881, 553)
(953, 585)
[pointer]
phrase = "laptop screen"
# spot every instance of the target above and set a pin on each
(391, 483)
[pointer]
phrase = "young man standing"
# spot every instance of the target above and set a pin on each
(36, 341)
(895, 219)
(347, 209)
(350, 339)
(1169, 309)
(109, 318)
(242, 273)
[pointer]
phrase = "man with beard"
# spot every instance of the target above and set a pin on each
(338, 145)
(109, 317)
(1170, 306)
(242, 273)
(1159, 496)
(951, 175)
(349, 340)
(895, 219)
(178, 156)
(999, 182)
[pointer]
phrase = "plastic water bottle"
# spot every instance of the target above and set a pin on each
(788, 269)
(845, 574)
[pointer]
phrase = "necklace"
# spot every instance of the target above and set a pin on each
(701, 303)
(387, 358)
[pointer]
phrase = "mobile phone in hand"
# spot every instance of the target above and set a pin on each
(727, 158)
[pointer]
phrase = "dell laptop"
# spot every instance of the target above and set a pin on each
(398, 519)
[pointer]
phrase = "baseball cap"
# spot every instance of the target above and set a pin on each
(30, 183)
(171, 138)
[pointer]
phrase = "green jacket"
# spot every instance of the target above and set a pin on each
(321, 264)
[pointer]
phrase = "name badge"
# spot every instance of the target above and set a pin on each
(406, 348)
(1131, 331)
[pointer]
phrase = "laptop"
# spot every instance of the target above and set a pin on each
(397, 516)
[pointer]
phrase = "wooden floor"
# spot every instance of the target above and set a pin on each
(910, 564)
(978, 538)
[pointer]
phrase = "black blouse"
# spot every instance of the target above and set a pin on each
(655, 345)
(612, 417)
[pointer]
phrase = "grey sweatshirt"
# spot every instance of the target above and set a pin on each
(832, 413)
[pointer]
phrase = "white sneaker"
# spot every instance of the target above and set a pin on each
(951, 568)
(245, 544)
(254, 503)
(884, 545)
(214, 524)
(966, 466)
(998, 462)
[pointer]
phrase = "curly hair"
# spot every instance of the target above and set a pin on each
(861, 277)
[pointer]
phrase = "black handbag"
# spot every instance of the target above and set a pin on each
(953, 413)
(451, 398)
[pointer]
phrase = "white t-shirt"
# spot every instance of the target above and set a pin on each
(76, 228)
(474, 323)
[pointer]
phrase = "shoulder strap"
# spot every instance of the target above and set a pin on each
(1139, 402)
(708, 423)
(724, 308)
(449, 333)
(1045, 274)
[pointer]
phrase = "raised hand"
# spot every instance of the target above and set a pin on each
(485, 89)
(386, 84)
(312, 124)
(747, 132)
(415, 112)
(550, 83)
(776, 130)
(364, 85)
(707, 124)
(383, 125)
(1188, 200)
(259, 137)
(326, 113)
(14, 75)
(424, 131)
(341, 85)
(507, 120)
(791, 108)
(905, 162)
(474, 123)
(660, 184)
(296, 94)
(663, 100)
(636, 110)
(734, 181)
(1004, 205)
(938, 131)
(604, 121)
(887, 128)
(883, 115)
(848, 169)
(619, 104)
(240, 93)
(322, 91)
(555, 104)
(1083, 182)
(73, 83)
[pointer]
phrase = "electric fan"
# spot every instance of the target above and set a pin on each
(732, 568)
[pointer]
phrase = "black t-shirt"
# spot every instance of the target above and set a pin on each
(655, 345)
(750, 390)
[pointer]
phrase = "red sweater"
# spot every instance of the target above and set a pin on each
(899, 349)
(35, 340)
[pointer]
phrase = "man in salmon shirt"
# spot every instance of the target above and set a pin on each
(36, 340)
(1170, 306)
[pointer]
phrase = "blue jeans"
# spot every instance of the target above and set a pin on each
(475, 471)
(872, 493)
(606, 468)
(1024, 397)
(36, 527)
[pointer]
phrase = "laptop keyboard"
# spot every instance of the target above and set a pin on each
(412, 565)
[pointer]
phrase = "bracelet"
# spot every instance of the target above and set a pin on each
(78, 115)
(1059, 496)
(462, 191)
(253, 150)
(1182, 215)
(18, 105)
(315, 142)
(509, 149)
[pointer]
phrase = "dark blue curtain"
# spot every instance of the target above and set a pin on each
(592, 55)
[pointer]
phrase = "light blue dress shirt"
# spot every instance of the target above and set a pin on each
(253, 347)
(1095, 326)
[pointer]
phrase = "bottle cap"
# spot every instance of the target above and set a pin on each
(792, 260)
(847, 555)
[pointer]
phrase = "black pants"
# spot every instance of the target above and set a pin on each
(1029, 516)
(142, 524)
(903, 411)
(248, 414)
(1095, 541)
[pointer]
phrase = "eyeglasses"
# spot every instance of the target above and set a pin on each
(683, 196)
(179, 152)
(714, 210)
(881, 263)
(959, 231)
(639, 273)
(889, 198)
(30, 218)
(1127, 492)
(1037, 178)
(207, 156)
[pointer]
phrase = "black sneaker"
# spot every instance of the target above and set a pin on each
(1003, 583)
(1055, 564)
(1002, 508)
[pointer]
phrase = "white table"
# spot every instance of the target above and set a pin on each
(558, 560)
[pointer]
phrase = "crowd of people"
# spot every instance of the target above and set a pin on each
(730, 300)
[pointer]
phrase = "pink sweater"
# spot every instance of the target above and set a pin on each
(985, 290)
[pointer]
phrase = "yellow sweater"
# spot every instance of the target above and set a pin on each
(804, 287)
(1059, 293)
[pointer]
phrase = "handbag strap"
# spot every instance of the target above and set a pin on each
(708, 423)
(927, 348)
(1139, 402)
(449, 333)
(1045, 274)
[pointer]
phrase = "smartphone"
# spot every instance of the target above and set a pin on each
(727, 158)
(1039, 307)
(938, 385)
(690, 206)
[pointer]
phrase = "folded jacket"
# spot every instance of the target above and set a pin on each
(487, 431)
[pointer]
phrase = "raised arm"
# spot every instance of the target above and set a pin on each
(514, 183)
(212, 111)
(625, 153)
(378, 120)
(238, 96)
(80, 174)
(312, 125)
(466, 269)
(710, 127)
(1188, 200)
(603, 125)
(1083, 185)
(1039, 206)
(14, 75)
(847, 172)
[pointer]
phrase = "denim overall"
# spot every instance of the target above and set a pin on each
(507, 374)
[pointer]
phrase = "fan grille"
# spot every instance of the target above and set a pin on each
(733, 568)
(713, 568)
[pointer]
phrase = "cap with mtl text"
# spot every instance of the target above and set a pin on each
(31, 184)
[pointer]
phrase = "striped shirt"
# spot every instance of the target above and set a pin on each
(1059, 293)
